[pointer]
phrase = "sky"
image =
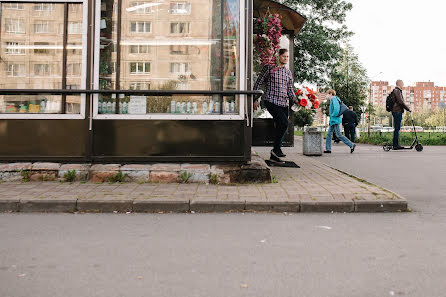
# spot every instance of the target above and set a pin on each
(403, 39)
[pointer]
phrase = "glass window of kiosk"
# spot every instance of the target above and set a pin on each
(42, 47)
(169, 45)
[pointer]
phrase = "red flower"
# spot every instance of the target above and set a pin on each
(303, 102)
(316, 104)
(311, 96)
(298, 92)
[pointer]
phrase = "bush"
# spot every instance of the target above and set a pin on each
(406, 138)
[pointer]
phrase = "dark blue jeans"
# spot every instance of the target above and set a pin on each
(280, 117)
(397, 118)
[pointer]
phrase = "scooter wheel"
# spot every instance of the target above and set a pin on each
(386, 147)
(419, 147)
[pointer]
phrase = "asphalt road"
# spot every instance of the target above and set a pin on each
(395, 254)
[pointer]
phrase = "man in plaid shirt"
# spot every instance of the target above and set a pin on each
(279, 90)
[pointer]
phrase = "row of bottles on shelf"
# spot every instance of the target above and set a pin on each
(110, 107)
(44, 106)
(183, 107)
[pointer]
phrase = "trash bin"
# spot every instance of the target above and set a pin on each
(312, 144)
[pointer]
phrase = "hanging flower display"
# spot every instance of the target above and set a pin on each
(307, 99)
(269, 31)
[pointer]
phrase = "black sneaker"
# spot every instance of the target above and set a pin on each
(273, 158)
(279, 153)
(352, 149)
(327, 152)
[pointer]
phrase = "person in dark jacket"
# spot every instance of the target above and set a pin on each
(397, 112)
(350, 121)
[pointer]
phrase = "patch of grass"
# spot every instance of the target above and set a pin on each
(70, 176)
(184, 177)
(406, 138)
(213, 179)
(118, 178)
(275, 180)
(26, 175)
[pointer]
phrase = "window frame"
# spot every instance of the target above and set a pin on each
(241, 48)
(65, 116)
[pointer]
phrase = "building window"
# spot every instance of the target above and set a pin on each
(16, 26)
(15, 70)
(140, 27)
(74, 69)
(179, 49)
(180, 8)
(179, 68)
(179, 28)
(139, 85)
(139, 67)
(139, 49)
(41, 69)
(43, 7)
(15, 6)
(140, 7)
(74, 48)
(41, 48)
(74, 28)
(42, 27)
(14, 48)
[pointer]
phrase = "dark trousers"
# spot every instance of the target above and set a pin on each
(349, 131)
(280, 117)
(397, 118)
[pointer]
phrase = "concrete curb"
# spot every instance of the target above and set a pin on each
(380, 206)
(90, 205)
(279, 206)
(41, 205)
(161, 206)
(319, 206)
(182, 206)
(217, 206)
(10, 205)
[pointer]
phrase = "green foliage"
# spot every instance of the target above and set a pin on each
(317, 48)
(406, 138)
(118, 177)
(304, 117)
(70, 176)
(419, 117)
(349, 79)
(213, 179)
(274, 180)
(26, 175)
(184, 177)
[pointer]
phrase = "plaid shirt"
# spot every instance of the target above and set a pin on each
(279, 85)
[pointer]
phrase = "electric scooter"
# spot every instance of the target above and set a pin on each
(418, 146)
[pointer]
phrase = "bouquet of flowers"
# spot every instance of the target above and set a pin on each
(307, 99)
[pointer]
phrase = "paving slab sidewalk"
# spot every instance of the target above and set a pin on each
(314, 187)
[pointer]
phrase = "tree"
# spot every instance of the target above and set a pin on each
(317, 48)
(304, 117)
(349, 79)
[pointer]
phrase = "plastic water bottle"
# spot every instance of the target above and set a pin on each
(205, 107)
(104, 107)
(194, 107)
(42, 105)
(113, 106)
(178, 107)
(217, 107)
(109, 107)
(188, 107)
(226, 107)
(99, 107)
(172, 106)
(211, 106)
(232, 107)
(125, 107)
(183, 107)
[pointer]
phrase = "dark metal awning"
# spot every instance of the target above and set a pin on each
(291, 19)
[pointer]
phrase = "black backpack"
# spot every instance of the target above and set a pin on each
(389, 102)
